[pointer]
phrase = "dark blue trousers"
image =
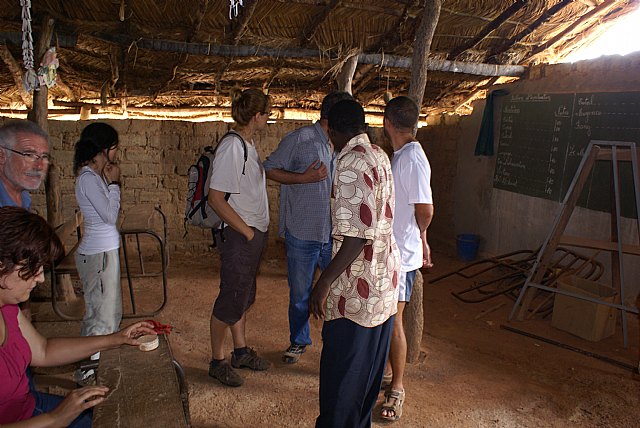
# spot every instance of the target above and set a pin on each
(351, 369)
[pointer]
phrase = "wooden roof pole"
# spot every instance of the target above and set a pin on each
(310, 31)
(16, 72)
(39, 114)
(40, 97)
(546, 15)
(508, 13)
(414, 312)
(421, 49)
(388, 40)
(598, 10)
(345, 76)
(184, 56)
(243, 18)
(227, 51)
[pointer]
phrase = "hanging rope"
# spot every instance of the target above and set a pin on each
(234, 8)
(27, 38)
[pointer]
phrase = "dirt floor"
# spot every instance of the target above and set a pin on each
(471, 373)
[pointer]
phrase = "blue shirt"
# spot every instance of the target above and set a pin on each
(304, 208)
(6, 201)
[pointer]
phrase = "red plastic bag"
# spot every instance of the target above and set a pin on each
(160, 328)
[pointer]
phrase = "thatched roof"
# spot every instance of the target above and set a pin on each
(162, 56)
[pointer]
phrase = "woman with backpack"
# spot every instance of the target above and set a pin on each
(97, 257)
(237, 193)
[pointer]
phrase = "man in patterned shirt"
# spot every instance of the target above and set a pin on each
(357, 293)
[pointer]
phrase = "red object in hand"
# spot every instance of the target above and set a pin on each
(160, 328)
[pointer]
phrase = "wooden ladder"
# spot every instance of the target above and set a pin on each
(613, 151)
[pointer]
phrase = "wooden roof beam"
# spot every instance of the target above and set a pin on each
(345, 76)
(202, 10)
(422, 48)
(389, 39)
(66, 89)
(546, 16)
(601, 9)
(310, 31)
(226, 51)
(235, 32)
(364, 78)
(508, 13)
(16, 73)
(272, 76)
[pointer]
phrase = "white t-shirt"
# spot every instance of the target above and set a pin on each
(100, 206)
(248, 191)
(412, 181)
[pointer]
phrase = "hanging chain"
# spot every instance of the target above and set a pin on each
(27, 38)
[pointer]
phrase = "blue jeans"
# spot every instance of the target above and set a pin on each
(45, 403)
(302, 259)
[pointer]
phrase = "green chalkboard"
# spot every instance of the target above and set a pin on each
(543, 137)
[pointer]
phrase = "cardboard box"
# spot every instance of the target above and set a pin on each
(588, 320)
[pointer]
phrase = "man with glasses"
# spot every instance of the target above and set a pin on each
(24, 161)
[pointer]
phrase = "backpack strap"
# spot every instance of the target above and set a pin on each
(203, 202)
(220, 231)
(244, 146)
(228, 195)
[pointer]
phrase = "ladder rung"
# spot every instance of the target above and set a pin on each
(577, 241)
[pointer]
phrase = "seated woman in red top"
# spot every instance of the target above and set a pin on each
(28, 245)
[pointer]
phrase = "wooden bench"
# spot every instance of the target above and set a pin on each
(146, 389)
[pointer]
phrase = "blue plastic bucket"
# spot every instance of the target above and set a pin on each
(467, 245)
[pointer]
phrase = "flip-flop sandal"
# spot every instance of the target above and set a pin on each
(393, 401)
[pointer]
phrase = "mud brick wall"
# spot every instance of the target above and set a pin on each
(440, 143)
(154, 157)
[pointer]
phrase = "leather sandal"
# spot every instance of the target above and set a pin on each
(386, 381)
(393, 401)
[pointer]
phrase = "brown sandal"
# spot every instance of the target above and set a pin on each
(394, 406)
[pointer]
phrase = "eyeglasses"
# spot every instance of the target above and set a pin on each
(30, 156)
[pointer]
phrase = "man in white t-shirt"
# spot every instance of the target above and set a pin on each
(412, 216)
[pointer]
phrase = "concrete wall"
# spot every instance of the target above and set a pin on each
(509, 221)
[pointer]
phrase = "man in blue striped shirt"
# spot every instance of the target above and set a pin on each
(303, 164)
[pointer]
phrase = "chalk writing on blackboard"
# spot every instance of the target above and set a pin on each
(543, 138)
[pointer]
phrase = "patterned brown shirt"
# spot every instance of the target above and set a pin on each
(362, 203)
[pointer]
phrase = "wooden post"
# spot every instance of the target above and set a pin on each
(345, 77)
(414, 312)
(39, 114)
(424, 36)
(413, 320)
